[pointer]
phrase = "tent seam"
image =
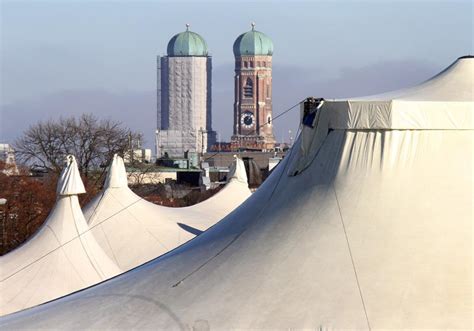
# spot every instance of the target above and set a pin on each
(99, 273)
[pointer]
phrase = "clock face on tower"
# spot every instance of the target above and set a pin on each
(247, 120)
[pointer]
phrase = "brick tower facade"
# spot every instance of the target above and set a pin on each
(253, 128)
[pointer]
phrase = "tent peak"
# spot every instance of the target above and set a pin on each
(70, 182)
(466, 57)
(116, 175)
(237, 171)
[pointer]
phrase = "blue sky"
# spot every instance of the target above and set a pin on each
(68, 57)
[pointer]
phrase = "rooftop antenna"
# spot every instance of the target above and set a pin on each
(187, 26)
(253, 26)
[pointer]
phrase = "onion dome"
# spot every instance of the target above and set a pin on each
(253, 43)
(187, 43)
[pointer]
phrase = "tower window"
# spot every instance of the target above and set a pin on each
(246, 64)
(248, 88)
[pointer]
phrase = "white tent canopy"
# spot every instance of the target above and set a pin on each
(61, 258)
(374, 232)
(133, 231)
(443, 102)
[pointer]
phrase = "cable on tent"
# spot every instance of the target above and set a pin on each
(259, 127)
(352, 257)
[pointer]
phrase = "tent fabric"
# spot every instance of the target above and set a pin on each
(61, 258)
(376, 233)
(133, 231)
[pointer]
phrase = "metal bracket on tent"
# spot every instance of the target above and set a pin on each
(310, 109)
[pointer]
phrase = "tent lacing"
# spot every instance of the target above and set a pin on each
(96, 268)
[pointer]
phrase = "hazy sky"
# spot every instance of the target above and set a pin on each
(69, 57)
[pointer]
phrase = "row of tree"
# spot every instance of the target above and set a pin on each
(91, 140)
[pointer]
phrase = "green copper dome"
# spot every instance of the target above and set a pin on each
(187, 43)
(253, 43)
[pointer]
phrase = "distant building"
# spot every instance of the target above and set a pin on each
(184, 97)
(137, 155)
(221, 146)
(253, 52)
(7, 155)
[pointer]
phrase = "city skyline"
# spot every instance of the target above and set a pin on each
(68, 58)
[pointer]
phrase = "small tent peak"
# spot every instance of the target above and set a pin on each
(466, 57)
(70, 182)
(237, 171)
(116, 175)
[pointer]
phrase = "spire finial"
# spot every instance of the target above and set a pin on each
(187, 26)
(253, 26)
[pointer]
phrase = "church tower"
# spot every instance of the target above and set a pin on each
(253, 52)
(184, 97)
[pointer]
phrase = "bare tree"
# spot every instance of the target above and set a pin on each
(92, 141)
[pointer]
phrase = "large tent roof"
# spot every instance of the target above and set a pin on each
(442, 102)
(61, 258)
(375, 233)
(453, 84)
(133, 231)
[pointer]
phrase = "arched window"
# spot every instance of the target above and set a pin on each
(246, 64)
(248, 88)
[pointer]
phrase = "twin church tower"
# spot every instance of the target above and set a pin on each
(185, 101)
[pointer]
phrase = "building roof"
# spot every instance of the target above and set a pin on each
(187, 43)
(253, 42)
